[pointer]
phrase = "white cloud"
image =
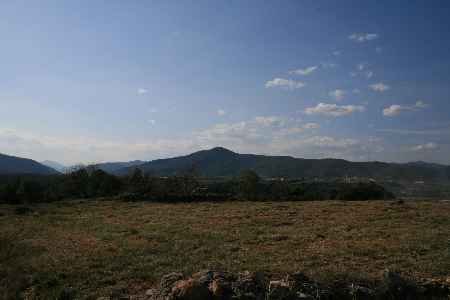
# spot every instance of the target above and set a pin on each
(424, 147)
(277, 135)
(421, 104)
(334, 109)
(379, 87)
(304, 72)
(88, 149)
(363, 37)
(142, 91)
(330, 142)
(152, 122)
(336, 53)
(221, 112)
(356, 91)
(396, 109)
(270, 121)
(369, 74)
(337, 94)
(361, 66)
(286, 131)
(274, 135)
(284, 83)
(311, 126)
(328, 65)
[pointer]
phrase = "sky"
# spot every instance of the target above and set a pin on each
(95, 81)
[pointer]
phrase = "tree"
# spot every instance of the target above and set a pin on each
(136, 181)
(248, 184)
(187, 181)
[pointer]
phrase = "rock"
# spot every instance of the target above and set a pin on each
(221, 289)
(249, 285)
(190, 289)
(279, 290)
(213, 285)
(167, 282)
(361, 292)
(151, 294)
(304, 296)
(219, 283)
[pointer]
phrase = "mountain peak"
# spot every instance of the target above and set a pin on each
(221, 150)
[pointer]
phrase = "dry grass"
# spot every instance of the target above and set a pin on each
(94, 246)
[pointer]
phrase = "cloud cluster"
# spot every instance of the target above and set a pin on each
(334, 110)
(363, 37)
(379, 87)
(284, 83)
(304, 72)
(424, 147)
(396, 109)
(262, 134)
(337, 94)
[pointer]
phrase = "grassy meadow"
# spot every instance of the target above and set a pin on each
(97, 246)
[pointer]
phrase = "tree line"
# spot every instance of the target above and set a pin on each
(187, 186)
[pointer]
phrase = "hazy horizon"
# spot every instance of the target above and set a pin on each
(50, 163)
(105, 81)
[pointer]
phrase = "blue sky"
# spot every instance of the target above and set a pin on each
(92, 81)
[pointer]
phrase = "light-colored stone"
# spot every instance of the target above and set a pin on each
(190, 289)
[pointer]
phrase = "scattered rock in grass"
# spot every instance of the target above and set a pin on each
(213, 285)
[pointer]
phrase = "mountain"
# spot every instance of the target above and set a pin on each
(426, 164)
(54, 165)
(221, 162)
(10, 165)
(113, 167)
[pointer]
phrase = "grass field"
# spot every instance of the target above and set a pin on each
(96, 246)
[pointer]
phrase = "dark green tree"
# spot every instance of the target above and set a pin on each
(248, 184)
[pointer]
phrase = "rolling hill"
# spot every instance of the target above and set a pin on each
(221, 162)
(11, 165)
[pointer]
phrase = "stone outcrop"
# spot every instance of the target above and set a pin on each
(214, 285)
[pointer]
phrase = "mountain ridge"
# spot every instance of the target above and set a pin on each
(222, 162)
(12, 165)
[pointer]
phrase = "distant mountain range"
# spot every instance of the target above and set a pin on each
(115, 167)
(10, 165)
(221, 162)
